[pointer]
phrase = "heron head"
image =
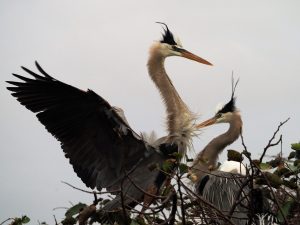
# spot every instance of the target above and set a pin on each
(171, 46)
(226, 113)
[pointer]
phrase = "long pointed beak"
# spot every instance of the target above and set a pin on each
(189, 55)
(206, 123)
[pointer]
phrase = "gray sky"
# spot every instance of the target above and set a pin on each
(103, 45)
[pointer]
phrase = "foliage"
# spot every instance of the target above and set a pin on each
(17, 220)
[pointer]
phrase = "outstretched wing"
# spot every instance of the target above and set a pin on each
(98, 142)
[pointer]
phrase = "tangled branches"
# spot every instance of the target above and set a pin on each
(268, 192)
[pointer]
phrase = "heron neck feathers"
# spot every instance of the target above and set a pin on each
(207, 159)
(178, 115)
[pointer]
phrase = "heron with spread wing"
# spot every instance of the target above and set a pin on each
(96, 138)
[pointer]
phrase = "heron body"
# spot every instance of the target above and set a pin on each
(96, 137)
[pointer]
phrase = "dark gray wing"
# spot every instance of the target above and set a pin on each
(139, 182)
(98, 142)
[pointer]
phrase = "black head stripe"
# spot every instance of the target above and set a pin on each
(230, 106)
(168, 37)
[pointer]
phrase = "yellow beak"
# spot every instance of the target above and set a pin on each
(189, 55)
(206, 123)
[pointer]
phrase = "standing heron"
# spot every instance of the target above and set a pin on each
(226, 186)
(96, 138)
(220, 187)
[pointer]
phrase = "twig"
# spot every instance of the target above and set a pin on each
(55, 220)
(238, 200)
(90, 192)
(220, 213)
(181, 200)
(142, 190)
(174, 209)
(259, 171)
(216, 175)
(171, 219)
(60, 208)
(6, 220)
(274, 196)
(272, 138)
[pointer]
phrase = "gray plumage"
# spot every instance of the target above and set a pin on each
(222, 189)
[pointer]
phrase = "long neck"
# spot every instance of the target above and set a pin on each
(178, 115)
(208, 157)
(175, 107)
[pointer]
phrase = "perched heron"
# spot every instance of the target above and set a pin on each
(221, 187)
(96, 138)
(226, 186)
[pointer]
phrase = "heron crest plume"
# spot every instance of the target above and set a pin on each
(168, 37)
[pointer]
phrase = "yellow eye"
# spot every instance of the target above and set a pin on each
(218, 115)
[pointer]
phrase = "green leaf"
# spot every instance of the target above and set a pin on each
(273, 179)
(168, 165)
(177, 155)
(295, 146)
(25, 219)
(75, 209)
(292, 155)
(281, 171)
(297, 162)
(286, 210)
(233, 155)
(265, 166)
(183, 168)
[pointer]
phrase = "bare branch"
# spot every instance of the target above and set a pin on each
(270, 144)
(181, 200)
(258, 171)
(91, 192)
(145, 192)
(220, 213)
(6, 220)
(55, 220)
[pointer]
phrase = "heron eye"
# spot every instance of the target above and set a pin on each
(218, 115)
(175, 48)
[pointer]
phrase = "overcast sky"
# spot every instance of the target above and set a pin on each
(103, 45)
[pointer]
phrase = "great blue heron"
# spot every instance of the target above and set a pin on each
(102, 148)
(220, 187)
(227, 185)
